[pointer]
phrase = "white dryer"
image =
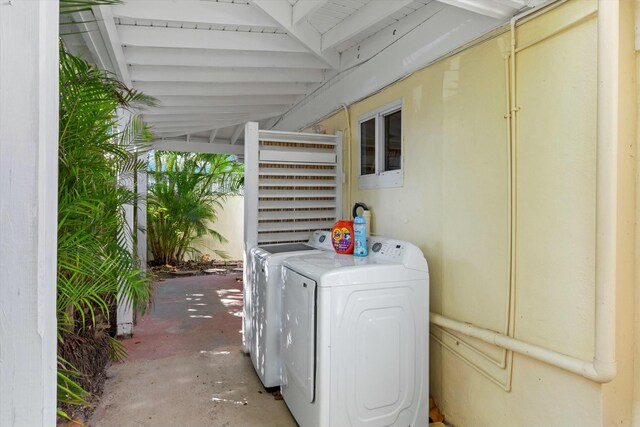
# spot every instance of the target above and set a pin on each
(265, 297)
(355, 346)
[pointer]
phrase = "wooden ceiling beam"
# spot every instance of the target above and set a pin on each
(281, 11)
(211, 122)
(149, 73)
(305, 8)
(214, 109)
(212, 136)
(163, 118)
(236, 133)
(112, 41)
(193, 12)
(203, 89)
(490, 8)
(204, 39)
(220, 58)
(367, 16)
(196, 147)
(204, 101)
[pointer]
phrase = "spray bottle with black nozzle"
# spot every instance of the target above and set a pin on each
(360, 230)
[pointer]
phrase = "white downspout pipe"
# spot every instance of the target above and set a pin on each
(603, 367)
(604, 364)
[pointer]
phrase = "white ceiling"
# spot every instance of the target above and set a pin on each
(215, 64)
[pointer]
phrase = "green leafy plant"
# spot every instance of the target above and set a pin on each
(97, 154)
(185, 192)
(69, 391)
(73, 6)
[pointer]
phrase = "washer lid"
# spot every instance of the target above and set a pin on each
(286, 247)
(389, 260)
(334, 261)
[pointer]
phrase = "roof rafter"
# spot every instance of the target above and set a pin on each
(486, 7)
(366, 49)
(367, 16)
(216, 109)
(150, 73)
(193, 11)
(203, 101)
(111, 37)
(205, 39)
(196, 147)
(86, 26)
(236, 133)
(270, 122)
(212, 136)
(304, 8)
(517, 4)
(222, 89)
(220, 58)
(191, 126)
(211, 122)
(163, 118)
(181, 131)
(281, 11)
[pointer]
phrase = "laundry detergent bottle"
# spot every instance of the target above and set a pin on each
(359, 231)
(360, 236)
(342, 236)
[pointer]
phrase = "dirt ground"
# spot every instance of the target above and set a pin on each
(185, 365)
(203, 266)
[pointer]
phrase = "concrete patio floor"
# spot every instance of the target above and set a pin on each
(186, 366)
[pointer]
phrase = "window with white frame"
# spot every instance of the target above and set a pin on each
(380, 149)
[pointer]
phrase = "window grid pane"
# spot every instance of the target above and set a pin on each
(368, 147)
(393, 141)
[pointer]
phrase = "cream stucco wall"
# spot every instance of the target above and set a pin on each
(534, 281)
(230, 225)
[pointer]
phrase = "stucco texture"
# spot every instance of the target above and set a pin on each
(229, 224)
(508, 224)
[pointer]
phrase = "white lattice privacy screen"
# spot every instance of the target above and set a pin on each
(293, 185)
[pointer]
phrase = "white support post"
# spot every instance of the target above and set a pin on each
(141, 217)
(124, 314)
(250, 223)
(28, 211)
(251, 184)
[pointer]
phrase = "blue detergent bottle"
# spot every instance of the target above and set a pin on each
(359, 233)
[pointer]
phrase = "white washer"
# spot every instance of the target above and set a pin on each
(355, 346)
(265, 297)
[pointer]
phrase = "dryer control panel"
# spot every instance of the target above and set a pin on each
(321, 240)
(388, 249)
(398, 251)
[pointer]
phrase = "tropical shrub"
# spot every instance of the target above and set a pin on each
(97, 153)
(185, 192)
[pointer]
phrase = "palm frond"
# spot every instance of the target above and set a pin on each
(97, 153)
(69, 391)
(185, 193)
(118, 351)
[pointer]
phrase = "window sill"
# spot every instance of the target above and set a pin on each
(391, 179)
